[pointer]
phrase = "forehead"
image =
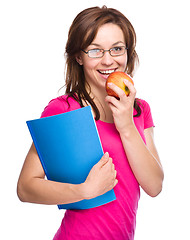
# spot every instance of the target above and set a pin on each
(108, 34)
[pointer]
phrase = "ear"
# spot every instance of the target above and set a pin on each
(79, 59)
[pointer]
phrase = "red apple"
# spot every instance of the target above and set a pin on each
(117, 78)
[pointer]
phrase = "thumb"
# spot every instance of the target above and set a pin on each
(104, 159)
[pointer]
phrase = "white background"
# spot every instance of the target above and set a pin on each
(33, 36)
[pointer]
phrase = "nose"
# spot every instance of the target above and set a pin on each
(107, 59)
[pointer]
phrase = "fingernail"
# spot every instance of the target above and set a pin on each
(125, 81)
(106, 154)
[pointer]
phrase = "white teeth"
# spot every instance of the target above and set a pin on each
(106, 71)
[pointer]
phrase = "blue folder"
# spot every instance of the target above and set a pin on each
(68, 146)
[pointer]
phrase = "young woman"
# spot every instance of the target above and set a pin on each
(101, 41)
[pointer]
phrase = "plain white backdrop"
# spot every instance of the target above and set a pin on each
(32, 42)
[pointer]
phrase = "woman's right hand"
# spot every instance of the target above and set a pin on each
(101, 178)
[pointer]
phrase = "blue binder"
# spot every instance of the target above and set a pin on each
(68, 146)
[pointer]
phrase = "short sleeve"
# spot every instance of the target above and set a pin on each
(55, 106)
(148, 120)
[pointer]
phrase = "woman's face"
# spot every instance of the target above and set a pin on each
(97, 70)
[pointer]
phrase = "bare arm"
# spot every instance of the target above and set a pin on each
(33, 187)
(143, 159)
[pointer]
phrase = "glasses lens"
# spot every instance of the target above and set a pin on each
(95, 53)
(117, 51)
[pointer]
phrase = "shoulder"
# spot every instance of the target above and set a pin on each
(143, 104)
(59, 105)
(146, 113)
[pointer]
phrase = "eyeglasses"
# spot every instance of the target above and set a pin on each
(98, 53)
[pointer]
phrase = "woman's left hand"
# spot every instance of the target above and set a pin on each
(122, 109)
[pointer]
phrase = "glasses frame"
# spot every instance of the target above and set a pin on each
(108, 50)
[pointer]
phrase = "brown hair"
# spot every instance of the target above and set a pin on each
(81, 34)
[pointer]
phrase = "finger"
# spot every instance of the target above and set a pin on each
(115, 173)
(117, 90)
(130, 87)
(112, 101)
(115, 182)
(103, 160)
(109, 164)
(113, 167)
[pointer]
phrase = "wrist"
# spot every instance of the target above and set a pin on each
(84, 191)
(79, 191)
(128, 131)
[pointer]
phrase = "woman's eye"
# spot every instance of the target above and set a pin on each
(116, 49)
(95, 50)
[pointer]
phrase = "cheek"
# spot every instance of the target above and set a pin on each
(89, 66)
(125, 61)
(89, 71)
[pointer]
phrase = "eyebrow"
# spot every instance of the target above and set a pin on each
(98, 45)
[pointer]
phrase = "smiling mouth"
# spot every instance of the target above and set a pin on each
(106, 72)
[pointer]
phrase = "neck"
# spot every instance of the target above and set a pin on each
(99, 99)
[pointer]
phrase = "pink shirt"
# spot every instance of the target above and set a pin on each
(115, 220)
